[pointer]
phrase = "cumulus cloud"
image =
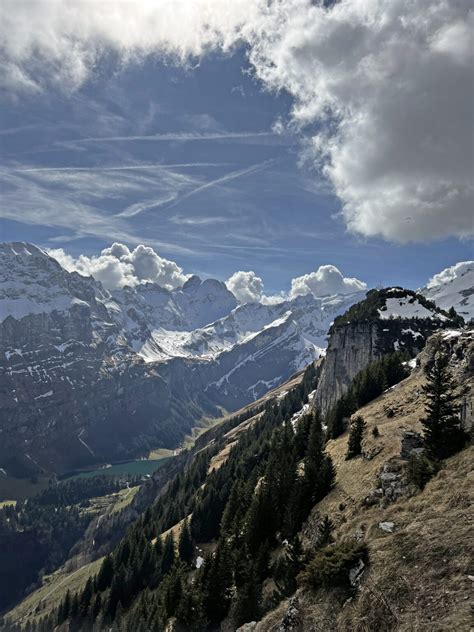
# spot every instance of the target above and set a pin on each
(325, 280)
(118, 266)
(388, 84)
(61, 42)
(247, 287)
(451, 274)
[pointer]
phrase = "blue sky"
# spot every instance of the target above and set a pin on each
(198, 161)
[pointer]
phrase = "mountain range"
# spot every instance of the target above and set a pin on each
(89, 375)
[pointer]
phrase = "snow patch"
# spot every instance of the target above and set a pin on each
(451, 333)
(407, 307)
(48, 394)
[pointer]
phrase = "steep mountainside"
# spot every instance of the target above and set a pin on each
(419, 575)
(246, 517)
(388, 320)
(89, 376)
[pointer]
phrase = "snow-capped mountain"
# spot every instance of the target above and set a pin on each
(454, 287)
(243, 324)
(87, 374)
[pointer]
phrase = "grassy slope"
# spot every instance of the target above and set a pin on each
(55, 586)
(418, 575)
(12, 488)
(48, 597)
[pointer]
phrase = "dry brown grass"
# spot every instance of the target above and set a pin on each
(417, 580)
(221, 457)
(48, 597)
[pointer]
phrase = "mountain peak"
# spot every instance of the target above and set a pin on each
(193, 282)
(23, 249)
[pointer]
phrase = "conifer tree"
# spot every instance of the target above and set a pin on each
(319, 471)
(443, 435)
(325, 531)
(190, 611)
(354, 444)
(259, 520)
(97, 606)
(186, 545)
(106, 573)
(217, 579)
(74, 610)
(288, 566)
(64, 608)
(168, 554)
(303, 428)
(249, 593)
(231, 516)
(86, 597)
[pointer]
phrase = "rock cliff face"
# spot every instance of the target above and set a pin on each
(386, 321)
(351, 348)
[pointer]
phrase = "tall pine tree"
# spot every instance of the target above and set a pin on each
(443, 435)
(354, 443)
(185, 544)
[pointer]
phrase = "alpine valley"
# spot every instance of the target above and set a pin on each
(88, 376)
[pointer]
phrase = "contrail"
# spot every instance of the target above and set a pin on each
(181, 136)
(233, 175)
(123, 168)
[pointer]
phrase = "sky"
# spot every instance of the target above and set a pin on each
(271, 140)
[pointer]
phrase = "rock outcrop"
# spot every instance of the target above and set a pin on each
(387, 321)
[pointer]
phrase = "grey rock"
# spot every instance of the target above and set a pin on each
(412, 444)
(356, 572)
(373, 498)
(388, 527)
(292, 620)
(354, 345)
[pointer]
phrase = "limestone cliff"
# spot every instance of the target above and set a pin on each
(386, 321)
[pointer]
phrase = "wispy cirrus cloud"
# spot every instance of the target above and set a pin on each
(198, 221)
(382, 91)
(83, 201)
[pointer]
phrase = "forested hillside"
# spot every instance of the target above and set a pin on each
(256, 516)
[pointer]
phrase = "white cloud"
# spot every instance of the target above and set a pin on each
(247, 287)
(325, 280)
(60, 42)
(450, 274)
(392, 84)
(273, 299)
(118, 266)
(389, 85)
